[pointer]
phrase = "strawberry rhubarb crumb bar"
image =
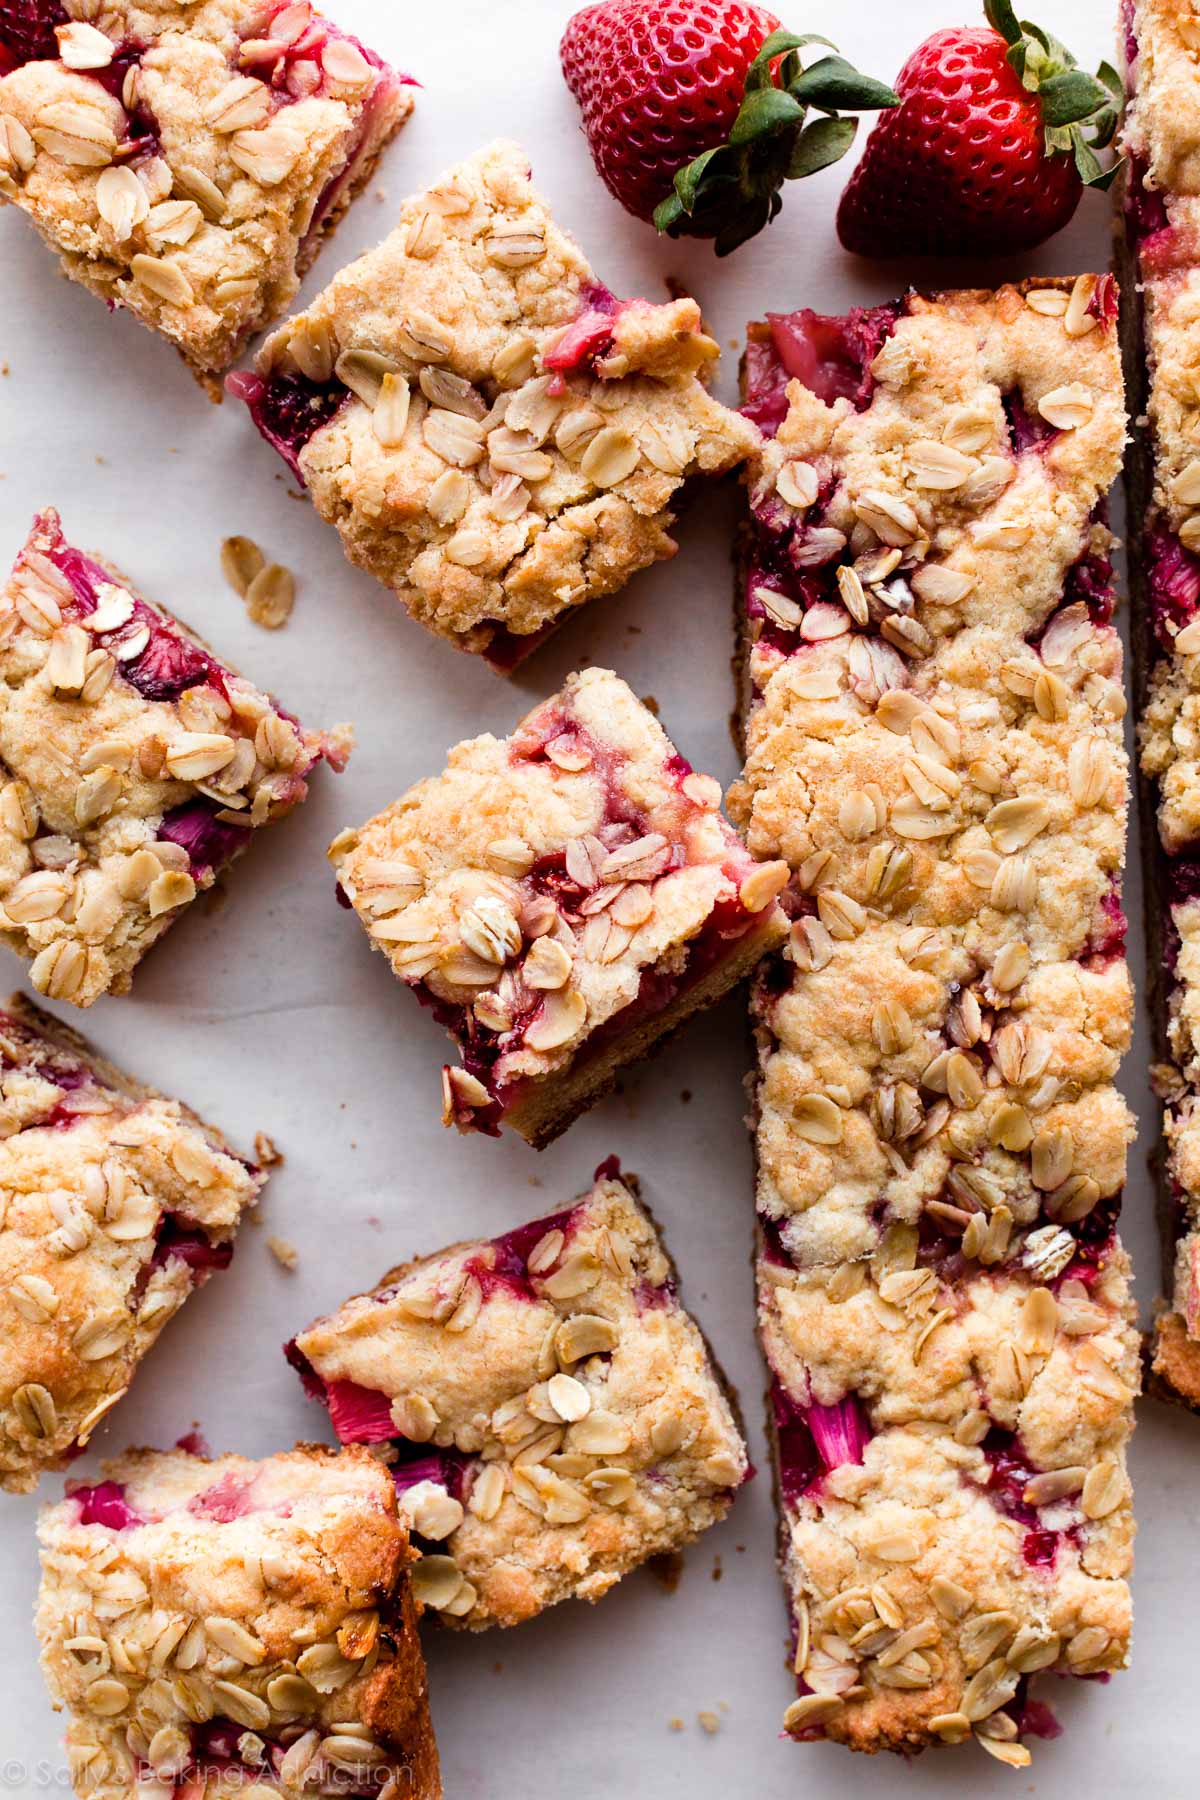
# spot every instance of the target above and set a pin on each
(560, 899)
(933, 741)
(117, 1203)
(550, 1414)
(184, 161)
(495, 436)
(238, 1630)
(1161, 217)
(134, 767)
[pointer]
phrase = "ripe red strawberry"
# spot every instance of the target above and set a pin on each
(991, 146)
(695, 110)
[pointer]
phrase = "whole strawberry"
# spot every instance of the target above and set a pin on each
(697, 111)
(991, 146)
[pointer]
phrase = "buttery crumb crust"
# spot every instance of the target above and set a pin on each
(581, 1423)
(533, 889)
(134, 766)
(116, 1202)
(1161, 220)
(510, 437)
(933, 742)
(184, 160)
(224, 1620)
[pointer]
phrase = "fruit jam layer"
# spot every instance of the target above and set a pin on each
(830, 355)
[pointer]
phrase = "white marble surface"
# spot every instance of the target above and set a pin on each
(267, 1012)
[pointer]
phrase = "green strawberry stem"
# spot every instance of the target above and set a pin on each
(731, 191)
(1080, 112)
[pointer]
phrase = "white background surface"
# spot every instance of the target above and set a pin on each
(266, 1011)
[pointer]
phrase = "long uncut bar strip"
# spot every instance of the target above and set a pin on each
(1162, 242)
(933, 737)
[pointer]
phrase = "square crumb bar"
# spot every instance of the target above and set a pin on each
(233, 1629)
(561, 899)
(550, 1414)
(134, 767)
(933, 709)
(117, 1203)
(496, 437)
(1161, 219)
(185, 160)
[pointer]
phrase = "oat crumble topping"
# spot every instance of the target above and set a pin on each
(551, 1415)
(560, 899)
(185, 161)
(1161, 219)
(236, 1628)
(496, 437)
(134, 767)
(115, 1203)
(932, 716)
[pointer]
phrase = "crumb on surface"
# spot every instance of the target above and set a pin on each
(266, 1152)
(285, 1253)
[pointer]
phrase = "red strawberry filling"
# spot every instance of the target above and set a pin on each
(210, 842)
(177, 1242)
(831, 355)
(104, 1503)
(170, 662)
(1028, 431)
(359, 1415)
(1108, 944)
(362, 1415)
(227, 1499)
(288, 409)
(27, 32)
(226, 1753)
(1009, 1475)
(1173, 578)
(588, 336)
(505, 1263)
(1147, 219)
(813, 1439)
(448, 1468)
